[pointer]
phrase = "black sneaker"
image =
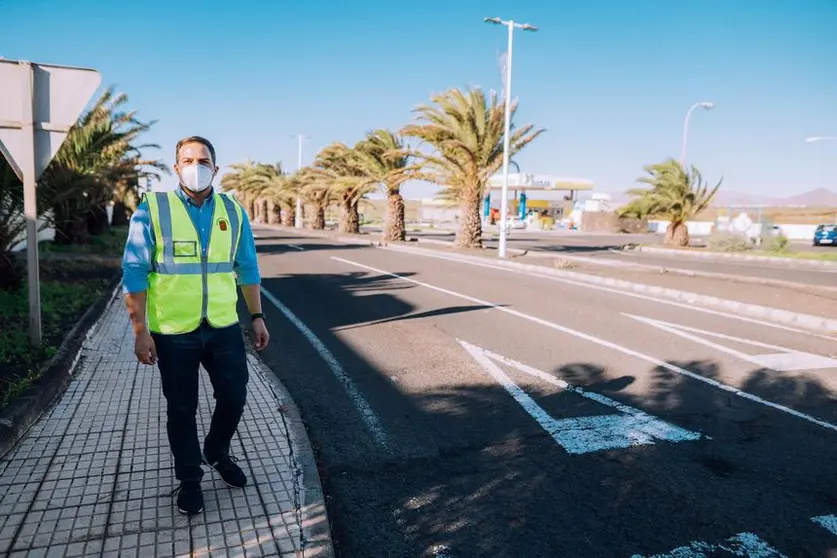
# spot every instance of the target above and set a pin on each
(229, 471)
(189, 497)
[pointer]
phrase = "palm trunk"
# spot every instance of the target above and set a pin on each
(249, 207)
(470, 224)
(274, 212)
(677, 234)
(290, 216)
(97, 221)
(121, 216)
(349, 219)
(394, 229)
(70, 221)
(319, 217)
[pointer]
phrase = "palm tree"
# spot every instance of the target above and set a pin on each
(316, 186)
(267, 184)
(242, 181)
(675, 195)
(12, 227)
(98, 158)
(465, 132)
(342, 167)
(384, 158)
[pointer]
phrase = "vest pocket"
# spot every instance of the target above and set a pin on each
(185, 249)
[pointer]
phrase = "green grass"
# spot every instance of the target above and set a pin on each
(67, 290)
(787, 252)
(822, 256)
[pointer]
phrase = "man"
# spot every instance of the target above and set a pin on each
(181, 259)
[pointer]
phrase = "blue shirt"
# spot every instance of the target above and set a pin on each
(140, 246)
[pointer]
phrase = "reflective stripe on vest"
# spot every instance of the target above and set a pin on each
(186, 285)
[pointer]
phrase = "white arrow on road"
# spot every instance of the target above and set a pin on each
(747, 545)
(577, 435)
(780, 359)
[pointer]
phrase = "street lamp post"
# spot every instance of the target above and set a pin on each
(706, 105)
(501, 252)
(298, 211)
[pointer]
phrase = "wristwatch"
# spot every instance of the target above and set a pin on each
(257, 315)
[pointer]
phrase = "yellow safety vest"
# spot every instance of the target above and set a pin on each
(185, 286)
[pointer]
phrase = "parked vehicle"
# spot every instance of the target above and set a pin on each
(825, 234)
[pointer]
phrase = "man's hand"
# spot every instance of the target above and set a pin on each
(144, 348)
(260, 335)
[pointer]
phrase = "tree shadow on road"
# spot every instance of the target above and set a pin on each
(466, 472)
(279, 248)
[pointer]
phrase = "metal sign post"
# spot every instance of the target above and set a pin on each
(38, 105)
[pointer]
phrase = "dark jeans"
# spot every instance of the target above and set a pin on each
(222, 353)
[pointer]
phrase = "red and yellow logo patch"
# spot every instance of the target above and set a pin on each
(222, 224)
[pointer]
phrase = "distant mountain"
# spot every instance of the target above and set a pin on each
(821, 197)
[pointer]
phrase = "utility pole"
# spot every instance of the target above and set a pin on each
(298, 213)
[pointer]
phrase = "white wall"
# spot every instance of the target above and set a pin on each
(49, 233)
(704, 228)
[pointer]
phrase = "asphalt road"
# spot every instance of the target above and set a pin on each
(608, 247)
(433, 394)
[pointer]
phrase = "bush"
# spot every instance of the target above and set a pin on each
(779, 243)
(725, 241)
(68, 288)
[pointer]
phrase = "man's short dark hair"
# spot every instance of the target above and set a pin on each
(194, 139)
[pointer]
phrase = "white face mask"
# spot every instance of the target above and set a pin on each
(196, 177)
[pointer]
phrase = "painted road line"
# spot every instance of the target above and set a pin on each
(608, 344)
(781, 359)
(578, 435)
(581, 283)
(828, 522)
(370, 418)
(743, 544)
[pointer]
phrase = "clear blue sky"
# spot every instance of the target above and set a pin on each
(610, 80)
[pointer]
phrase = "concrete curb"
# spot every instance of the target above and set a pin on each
(789, 262)
(313, 516)
(823, 326)
(745, 279)
(28, 407)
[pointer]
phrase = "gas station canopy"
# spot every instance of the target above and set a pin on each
(527, 181)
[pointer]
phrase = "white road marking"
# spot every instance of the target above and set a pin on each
(782, 359)
(581, 283)
(619, 348)
(370, 418)
(743, 544)
(579, 435)
(295, 247)
(828, 522)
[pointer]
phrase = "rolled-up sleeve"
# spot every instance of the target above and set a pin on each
(136, 260)
(246, 259)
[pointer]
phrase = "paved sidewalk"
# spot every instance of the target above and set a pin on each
(94, 476)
